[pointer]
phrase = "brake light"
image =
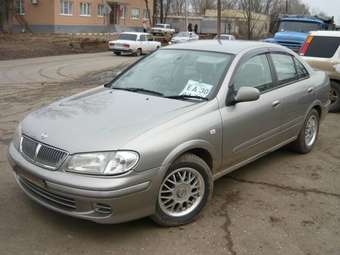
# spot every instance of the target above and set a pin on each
(305, 47)
(126, 46)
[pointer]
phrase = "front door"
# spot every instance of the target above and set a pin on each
(250, 128)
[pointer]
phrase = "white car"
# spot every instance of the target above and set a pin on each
(225, 37)
(182, 37)
(134, 43)
(162, 29)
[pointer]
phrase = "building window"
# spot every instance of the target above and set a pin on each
(123, 11)
(135, 13)
(66, 7)
(100, 10)
(20, 9)
(145, 14)
(85, 9)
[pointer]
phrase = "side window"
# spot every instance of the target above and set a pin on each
(285, 67)
(142, 38)
(254, 73)
(300, 69)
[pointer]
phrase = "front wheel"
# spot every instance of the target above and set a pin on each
(184, 191)
(335, 97)
(308, 134)
(138, 52)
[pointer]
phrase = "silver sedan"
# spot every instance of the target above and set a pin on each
(153, 141)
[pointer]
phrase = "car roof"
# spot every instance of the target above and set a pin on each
(231, 47)
(135, 33)
(326, 33)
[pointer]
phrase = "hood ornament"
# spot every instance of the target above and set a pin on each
(43, 136)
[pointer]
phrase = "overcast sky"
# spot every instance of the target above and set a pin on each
(330, 7)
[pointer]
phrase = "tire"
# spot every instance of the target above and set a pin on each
(118, 53)
(189, 197)
(304, 144)
(138, 52)
(335, 97)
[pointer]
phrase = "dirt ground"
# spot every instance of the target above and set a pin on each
(284, 203)
(26, 45)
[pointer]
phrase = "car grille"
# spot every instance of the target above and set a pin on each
(62, 202)
(42, 154)
(295, 46)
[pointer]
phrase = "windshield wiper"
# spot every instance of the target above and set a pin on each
(140, 90)
(187, 97)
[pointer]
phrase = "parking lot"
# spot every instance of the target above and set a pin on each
(283, 203)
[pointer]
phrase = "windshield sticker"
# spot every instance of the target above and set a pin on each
(196, 88)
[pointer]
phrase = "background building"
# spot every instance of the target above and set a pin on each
(80, 15)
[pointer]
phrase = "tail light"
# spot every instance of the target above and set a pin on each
(305, 47)
(112, 44)
(126, 45)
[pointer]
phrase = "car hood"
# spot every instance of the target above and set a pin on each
(101, 119)
(291, 36)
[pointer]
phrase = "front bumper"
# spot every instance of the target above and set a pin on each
(99, 199)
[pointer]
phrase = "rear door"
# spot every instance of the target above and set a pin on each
(296, 91)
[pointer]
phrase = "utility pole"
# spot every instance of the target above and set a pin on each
(219, 18)
(186, 13)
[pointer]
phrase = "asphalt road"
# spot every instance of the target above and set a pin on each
(282, 204)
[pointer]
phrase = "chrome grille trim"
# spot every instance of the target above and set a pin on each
(47, 196)
(42, 154)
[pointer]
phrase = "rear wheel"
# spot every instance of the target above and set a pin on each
(118, 53)
(308, 134)
(184, 191)
(335, 97)
(139, 52)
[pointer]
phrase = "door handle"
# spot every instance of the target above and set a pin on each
(310, 90)
(276, 103)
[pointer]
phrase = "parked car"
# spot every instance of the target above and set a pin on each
(322, 51)
(162, 29)
(152, 141)
(134, 43)
(225, 37)
(182, 37)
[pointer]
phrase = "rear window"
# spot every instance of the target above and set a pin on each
(323, 47)
(128, 37)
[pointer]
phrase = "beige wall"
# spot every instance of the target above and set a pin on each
(47, 12)
(40, 14)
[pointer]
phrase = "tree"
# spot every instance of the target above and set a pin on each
(151, 22)
(6, 14)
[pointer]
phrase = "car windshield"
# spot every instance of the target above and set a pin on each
(183, 34)
(176, 73)
(299, 26)
(128, 37)
(160, 26)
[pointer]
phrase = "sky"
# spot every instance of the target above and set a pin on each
(330, 7)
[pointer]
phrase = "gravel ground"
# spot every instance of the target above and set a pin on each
(283, 203)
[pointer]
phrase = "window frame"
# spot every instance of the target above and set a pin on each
(70, 5)
(88, 4)
(280, 84)
(135, 17)
(145, 14)
(100, 10)
(20, 7)
(245, 60)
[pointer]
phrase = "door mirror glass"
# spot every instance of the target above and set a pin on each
(247, 94)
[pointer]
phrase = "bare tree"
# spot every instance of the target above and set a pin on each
(151, 22)
(6, 14)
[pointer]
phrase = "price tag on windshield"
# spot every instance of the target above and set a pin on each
(196, 88)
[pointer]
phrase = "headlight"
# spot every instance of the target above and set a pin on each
(17, 137)
(102, 163)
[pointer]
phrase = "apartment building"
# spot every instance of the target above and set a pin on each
(72, 16)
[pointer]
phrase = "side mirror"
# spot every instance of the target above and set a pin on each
(247, 94)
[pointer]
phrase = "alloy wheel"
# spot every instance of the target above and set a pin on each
(181, 192)
(311, 130)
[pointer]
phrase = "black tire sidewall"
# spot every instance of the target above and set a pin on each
(335, 107)
(166, 220)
